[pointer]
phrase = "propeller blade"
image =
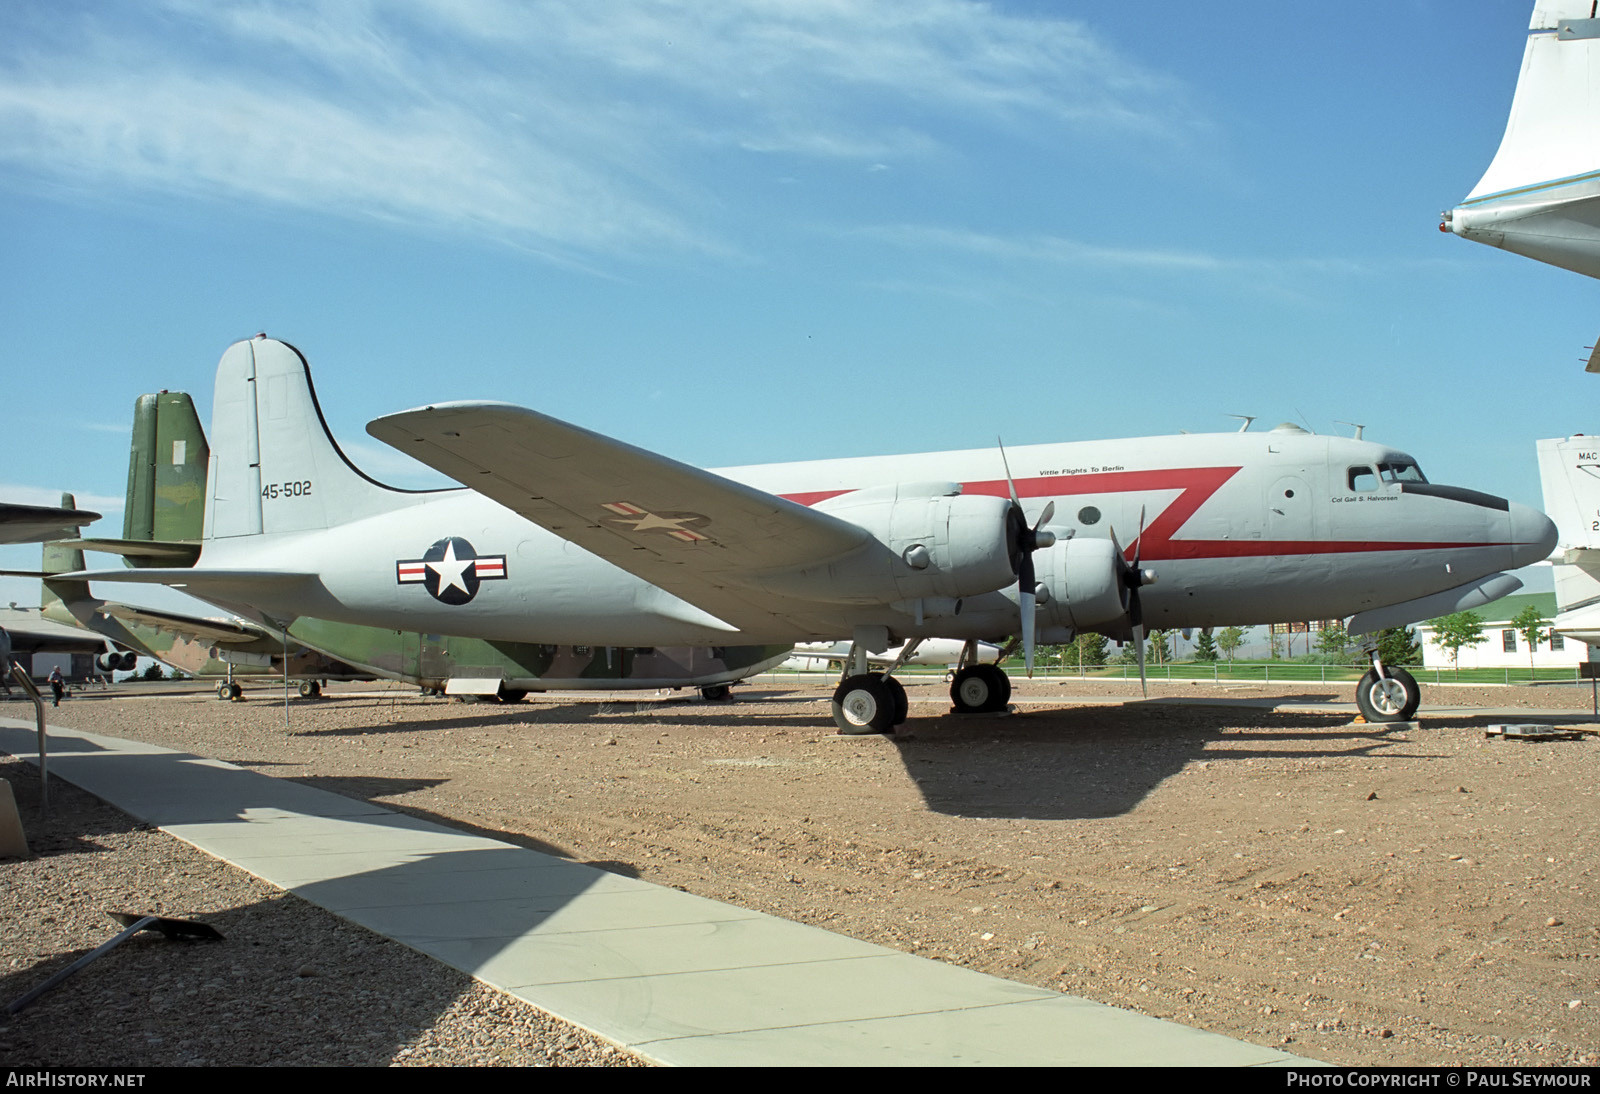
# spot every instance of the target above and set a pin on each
(1028, 601)
(1138, 639)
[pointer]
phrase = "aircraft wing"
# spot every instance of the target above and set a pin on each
(697, 535)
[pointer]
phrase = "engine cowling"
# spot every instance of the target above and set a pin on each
(1083, 583)
(928, 540)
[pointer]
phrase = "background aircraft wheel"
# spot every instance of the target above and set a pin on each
(897, 692)
(980, 689)
(717, 693)
(224, 690)
(310, 689)
(864, 704)
(1395, 698)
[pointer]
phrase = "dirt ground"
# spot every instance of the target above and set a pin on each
(1352, 893)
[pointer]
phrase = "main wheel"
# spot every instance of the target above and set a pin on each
(1395, 698)
(897, 692)
(224, 690)
(510, 695)
(310, 689)
(864, 704)
(980, 689)
(716, 693)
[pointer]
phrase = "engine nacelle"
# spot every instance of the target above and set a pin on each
(928, 540)
(1082, 581)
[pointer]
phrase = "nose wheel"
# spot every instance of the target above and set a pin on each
(1393, 697)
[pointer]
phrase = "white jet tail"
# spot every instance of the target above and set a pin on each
(274, 465)
(1540, 196)
(1569, 473)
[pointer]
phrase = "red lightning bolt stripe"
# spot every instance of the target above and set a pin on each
(1195, 486)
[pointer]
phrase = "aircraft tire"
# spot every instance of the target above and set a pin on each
(224, 691)
(510, 695)
(310, 689)
(717, 693)
(1394, 699)
(864, 704)
(902, 705)
(980, 689)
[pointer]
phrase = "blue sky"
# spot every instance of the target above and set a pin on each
(750, 231)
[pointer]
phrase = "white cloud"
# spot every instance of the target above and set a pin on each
(573, 128)
(18, 494)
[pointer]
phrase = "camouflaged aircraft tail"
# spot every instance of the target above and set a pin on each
(275, 466)
(61, 558)
(166, 470)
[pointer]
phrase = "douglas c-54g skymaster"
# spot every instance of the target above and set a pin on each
(568, 536)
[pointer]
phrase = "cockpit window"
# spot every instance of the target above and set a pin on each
(1400, 471)
(1363, 478)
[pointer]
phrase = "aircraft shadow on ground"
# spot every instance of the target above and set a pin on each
(519, 896)
(1092, 762)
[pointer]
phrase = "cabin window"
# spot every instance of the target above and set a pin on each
(1363, 478)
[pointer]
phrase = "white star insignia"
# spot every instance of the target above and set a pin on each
(451, 569)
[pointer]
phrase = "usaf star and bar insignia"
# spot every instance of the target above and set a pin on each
(451, 570)
(642, 520)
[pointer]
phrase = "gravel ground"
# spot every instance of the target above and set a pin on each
(1355, 894)
(290, 983)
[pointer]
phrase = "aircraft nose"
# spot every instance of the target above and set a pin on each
(1533, 536)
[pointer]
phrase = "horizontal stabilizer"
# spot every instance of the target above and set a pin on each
(186, 626)
(222, 584)
(36, 523)
(142, 552)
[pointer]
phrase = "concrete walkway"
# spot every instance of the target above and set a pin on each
(675, 977)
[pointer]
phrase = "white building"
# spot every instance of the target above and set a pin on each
(1502, 646)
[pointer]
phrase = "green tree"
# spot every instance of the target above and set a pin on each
(1399, 646)
(1455, 631)
(1229, 639)
(1090, 650)
(1205, 647)
(1529, 623)
(154, 671)
(1333, 644)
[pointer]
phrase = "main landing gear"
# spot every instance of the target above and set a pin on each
(869, 702)
(980, 689)
(875, 702)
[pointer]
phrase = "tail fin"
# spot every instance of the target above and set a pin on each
(275, 467)
(1539, 194)
(166, 470)
(1569, 474)
(57, 597)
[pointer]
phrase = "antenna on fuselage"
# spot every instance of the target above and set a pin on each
(1248, 418)
(1353, 425)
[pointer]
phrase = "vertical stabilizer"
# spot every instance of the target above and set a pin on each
(1569, 474)
(57, 596)
(274, 465)
(1540, 196)
(166, 470)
